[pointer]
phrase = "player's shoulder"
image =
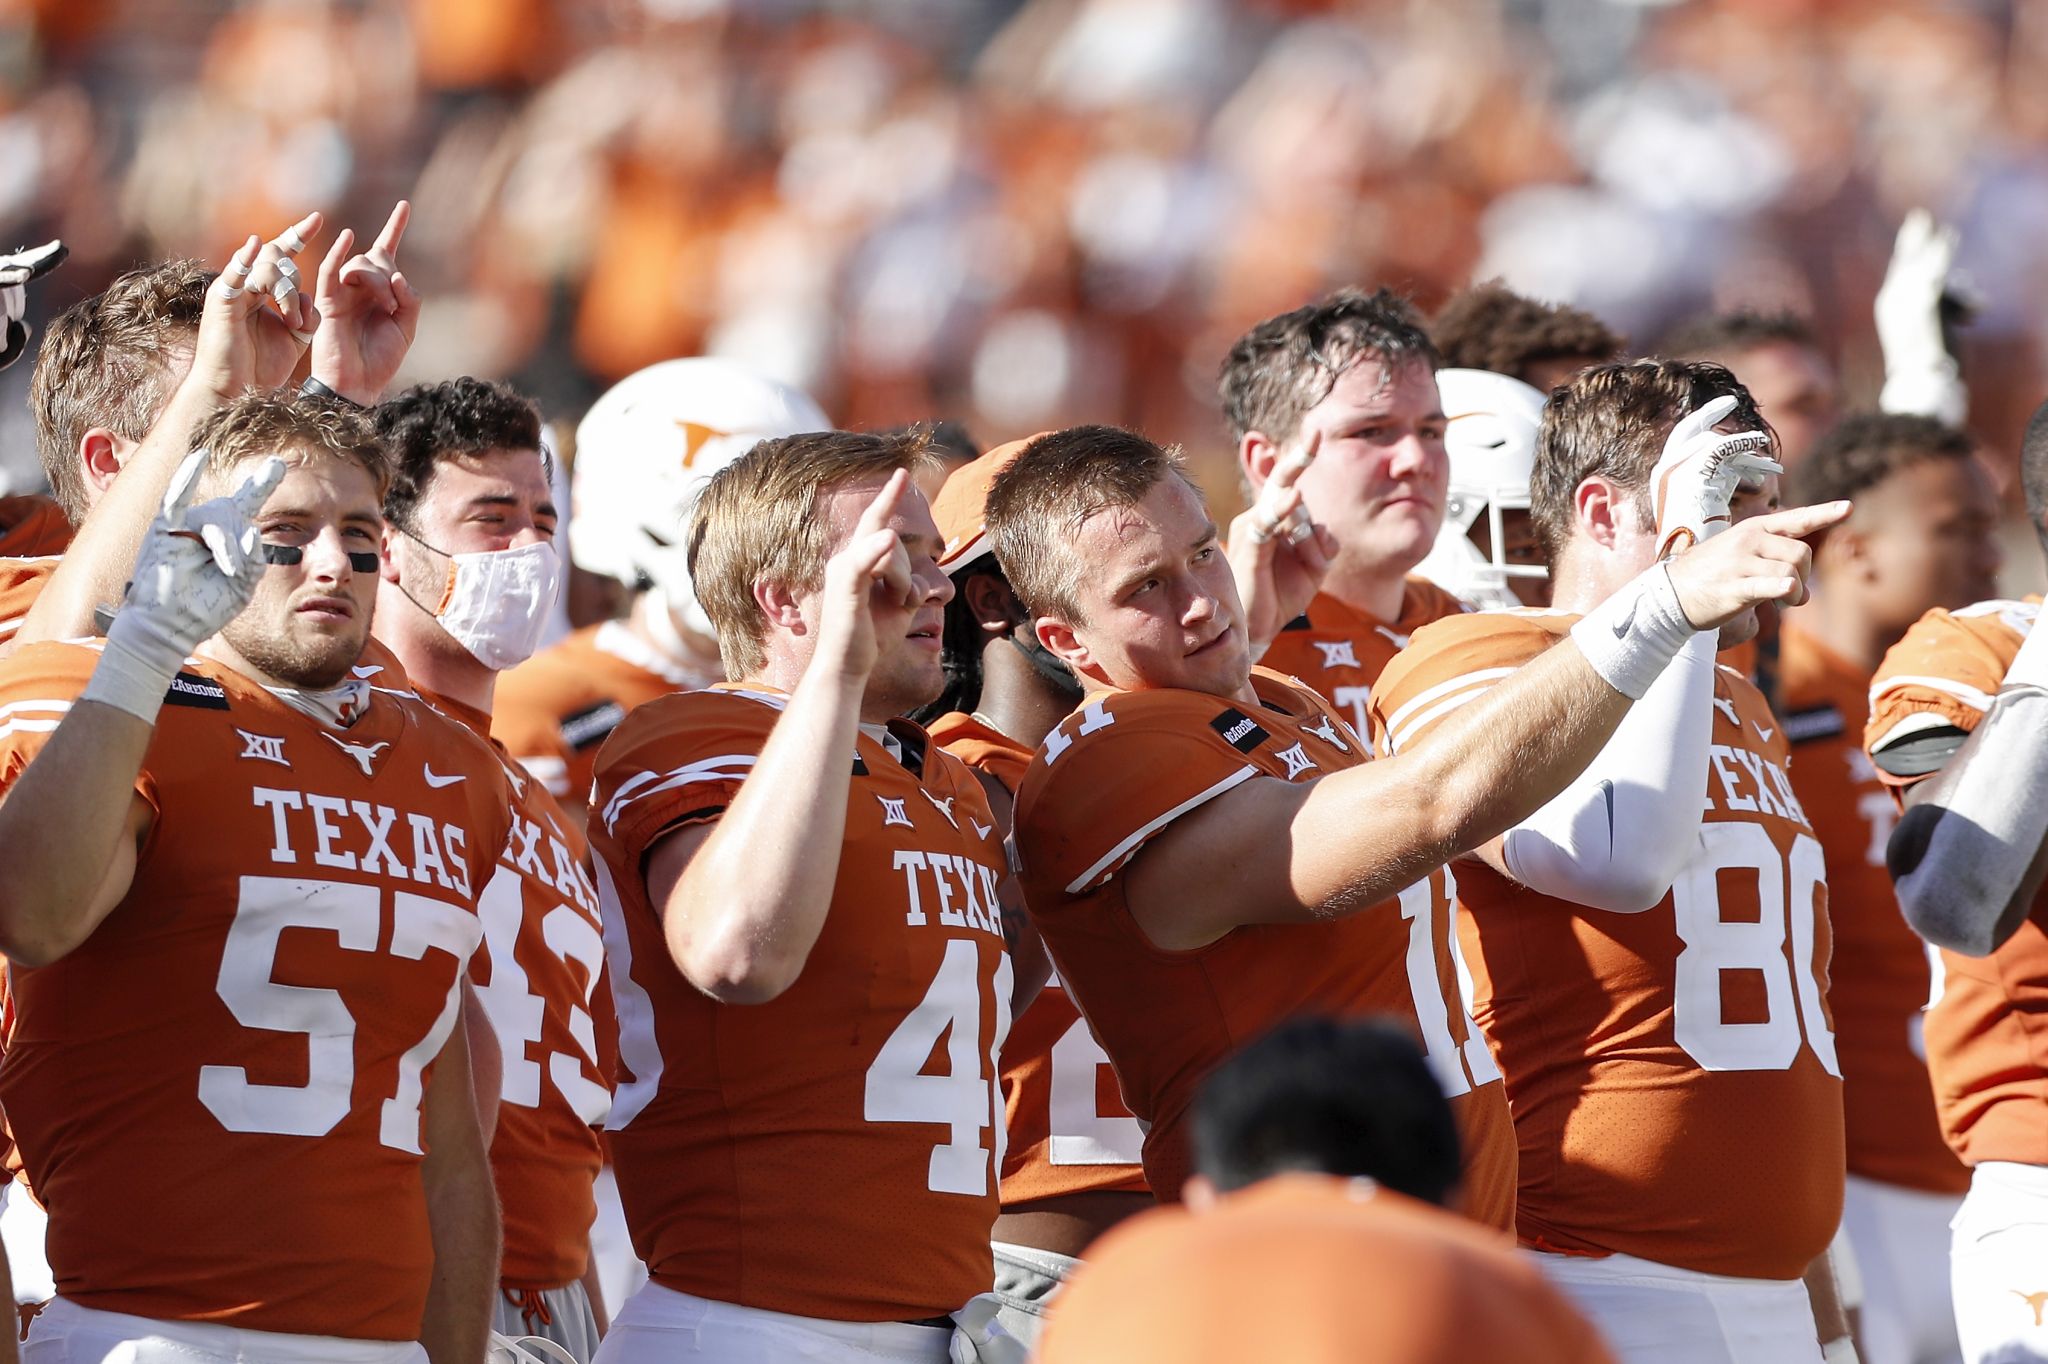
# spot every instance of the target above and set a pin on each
(32, 524)
(713, 722)
(1965, 641)
(1458, 656)
(39, 682)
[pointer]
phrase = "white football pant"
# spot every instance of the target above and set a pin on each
(658, 1325)
(65, 1333)
(1998, 1265)
(563, 1316)
(1659, 1314)
(1900, 1237)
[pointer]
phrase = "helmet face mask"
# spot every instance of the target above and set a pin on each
(1491, 440)
(647, 448)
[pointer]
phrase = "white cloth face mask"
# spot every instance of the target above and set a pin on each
(496, 603)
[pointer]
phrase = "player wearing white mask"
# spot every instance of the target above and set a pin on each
(642, 453)
(1486, 553)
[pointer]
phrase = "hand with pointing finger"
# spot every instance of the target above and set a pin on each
(256, 320)
(369, 313)
(869, 587)
(1696, 477)
(1278, 553)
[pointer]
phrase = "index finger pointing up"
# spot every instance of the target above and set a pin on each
(877, 513)
(385, 248)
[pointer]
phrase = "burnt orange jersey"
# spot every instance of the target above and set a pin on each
(21, 582)
(554, 711)
(218, 1094)
(1879, 978)
(1985, 1023)
(536, 973)
(1118, 771)
(1069, 1128)
(1312, 1270)
(1672, 1073)
(834, 1152)
(1339, 651)
(32, 525)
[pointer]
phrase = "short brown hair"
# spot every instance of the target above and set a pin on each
(1038, 504)
(1612, 421)
(1284, 366)
(1723, 336)
(1490, 326)
(757, 521)
(1864, 449)
(106, 361)
(291, 424)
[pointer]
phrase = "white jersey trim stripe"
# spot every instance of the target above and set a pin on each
(1399, 719)
(1436, 712)
(730, 767)
(1969, 696)
(1124, 849)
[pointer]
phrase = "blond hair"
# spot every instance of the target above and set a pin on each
(1037, 506)
(757, 521)
(282, 423)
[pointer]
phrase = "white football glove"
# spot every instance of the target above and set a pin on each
(198, 568)
(16, 271)
(1696, 477)
(1920, 376)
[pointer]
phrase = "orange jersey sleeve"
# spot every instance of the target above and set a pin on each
(219, 1093)
(1338, 652)
(536, 974)
(32, 525)
(554, 711)
(1337, 1270)
(1109, 779)
(1069, 1128)
(1879, 978)
(765, 1151)
(1672, 1074)
(21, 582)
(1983, 1026)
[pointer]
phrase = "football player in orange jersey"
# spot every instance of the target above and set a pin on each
(1072, 1167)
(1341, 398)
(469, 577)
(642, 453)
(1198, 840)
(124, 380)
(1309, 1234)
(1958, 720)
(1923, 535)
(1652, 981)
(239, 903)
(800, 904)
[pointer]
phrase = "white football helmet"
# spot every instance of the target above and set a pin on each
(1491, 438)
(647, 447)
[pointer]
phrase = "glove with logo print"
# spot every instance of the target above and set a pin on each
(198, 568)
(1696, 477)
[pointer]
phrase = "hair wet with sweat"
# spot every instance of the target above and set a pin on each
(758, 520)
(1285, 365)
(1611, 421)
(106, 361)
(294, 425)
(1037, 506)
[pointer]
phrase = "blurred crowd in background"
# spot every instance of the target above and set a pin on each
(1021, 214)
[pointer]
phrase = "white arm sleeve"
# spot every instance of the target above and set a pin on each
(1618, 836)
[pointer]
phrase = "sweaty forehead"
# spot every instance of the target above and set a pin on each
(1370, 383)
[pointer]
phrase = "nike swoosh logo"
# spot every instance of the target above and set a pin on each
(437, 781)
(1607, 794)
(1621, 627)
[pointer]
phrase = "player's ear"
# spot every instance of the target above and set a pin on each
(1062, 643)
(1256, 456)
(1598, 505)
(994, 606)
(778, 606)
(387, 554)
(101, 454)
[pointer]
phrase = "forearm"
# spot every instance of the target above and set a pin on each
(593, 1289)
(462, 1213)
(60, 831)
(1619, 834)
(102, 555)
(746, 911)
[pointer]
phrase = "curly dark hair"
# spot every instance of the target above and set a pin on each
(106, 361)
(1864, 449)
(1718, 336)
(462, 416)
(1284, 366)
(1490, 326)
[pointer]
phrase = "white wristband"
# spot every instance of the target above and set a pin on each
(1632, 636)
(2029, 666)
(126, 681)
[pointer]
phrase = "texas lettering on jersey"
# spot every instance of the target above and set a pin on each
(1982, 1031)
(260, 1013)
(765, 1151)
(1672, 1073)
(1109, 779)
